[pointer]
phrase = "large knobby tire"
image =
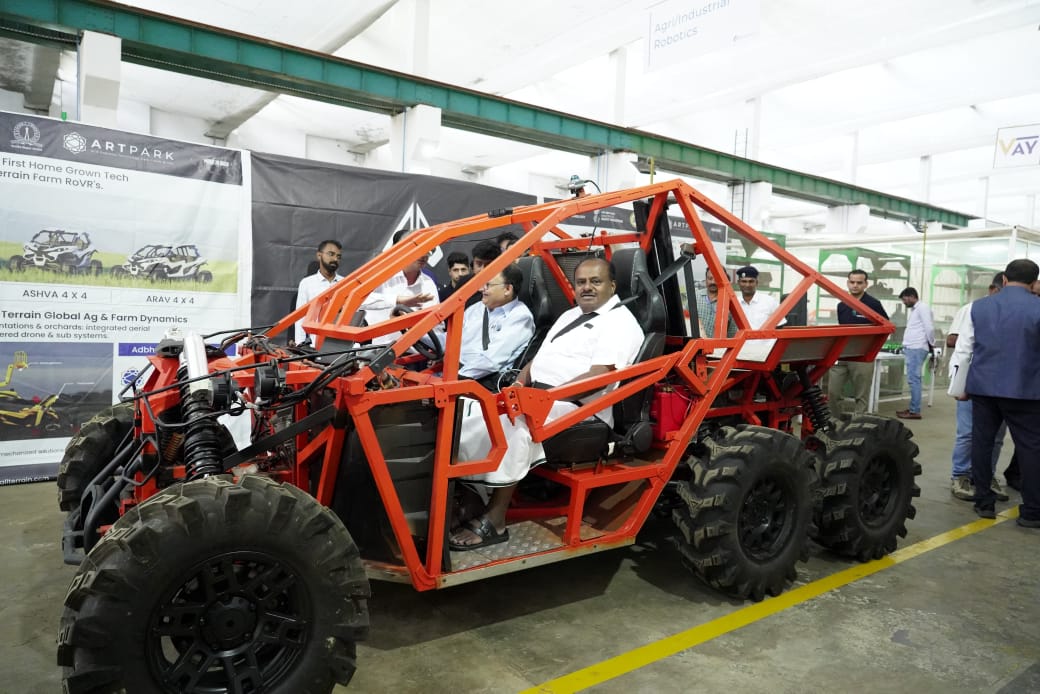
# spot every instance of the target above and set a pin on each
(90, 450)
(867, 471)
(213, 586)
(747, 511)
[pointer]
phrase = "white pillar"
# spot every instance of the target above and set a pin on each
(924, 179)
(848, 219)
(850, 158)
(99, 59)
(984, 200)
(758, 197)
(415, 136)
(753, 120)
(614, 171)
(619, 59)
(421, 44)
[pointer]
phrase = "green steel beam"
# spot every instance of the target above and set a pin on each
(178, 45)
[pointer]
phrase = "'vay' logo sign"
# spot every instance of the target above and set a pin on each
(1018, 146)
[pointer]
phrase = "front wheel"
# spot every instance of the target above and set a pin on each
(16, 263)
(214, 586)
(867, 472)
(747, 510)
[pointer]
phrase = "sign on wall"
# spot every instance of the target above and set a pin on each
(682, 29)
(1018, 146)
(109, 240)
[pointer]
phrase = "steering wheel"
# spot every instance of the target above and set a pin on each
(430, 352)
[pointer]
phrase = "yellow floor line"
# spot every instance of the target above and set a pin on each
(658, 650)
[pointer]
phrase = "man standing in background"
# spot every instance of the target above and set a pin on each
(918, 343)
(1004, 386)
(458, 271)
(329, 254)
(859, 373)
(962, 338)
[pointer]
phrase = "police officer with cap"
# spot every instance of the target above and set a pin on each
(758, 306)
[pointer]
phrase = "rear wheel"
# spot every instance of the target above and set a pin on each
(867, 472)
(213, 586)
(747, 511)
(90, 450)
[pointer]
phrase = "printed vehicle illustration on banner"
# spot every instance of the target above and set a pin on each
(160, 262)
(70, 252)
(36, 418)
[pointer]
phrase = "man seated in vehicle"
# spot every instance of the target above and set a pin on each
(593, 338)
(496, 330)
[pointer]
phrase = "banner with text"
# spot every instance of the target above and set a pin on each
(110, 239)
(682, 29)
(1017, 146)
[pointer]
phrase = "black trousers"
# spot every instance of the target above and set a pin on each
(1023, 420)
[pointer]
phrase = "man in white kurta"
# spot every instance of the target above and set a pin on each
(593, 338)
(410, 288)
(329, 254)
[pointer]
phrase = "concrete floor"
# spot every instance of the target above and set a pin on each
(964, 617)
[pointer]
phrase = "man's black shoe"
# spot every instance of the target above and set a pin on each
(1029, 522)
(983, 512)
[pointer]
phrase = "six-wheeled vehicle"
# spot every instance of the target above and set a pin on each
(206, 566)
(69, 252)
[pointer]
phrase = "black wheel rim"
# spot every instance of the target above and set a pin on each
(877, 490)
(237, 622)
(766, 518)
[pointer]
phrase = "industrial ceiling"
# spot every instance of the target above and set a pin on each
(900, 97)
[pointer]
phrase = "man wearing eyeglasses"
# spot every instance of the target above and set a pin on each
(593, 338)
(329, 254)
(495, 330)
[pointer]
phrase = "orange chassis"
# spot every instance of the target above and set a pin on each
(709, 369)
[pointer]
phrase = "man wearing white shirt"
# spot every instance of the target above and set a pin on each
(329, 254)
(962, 338)
(758, 306)
(496, 330)
(918, 342)
(411, 288)
(594, 338)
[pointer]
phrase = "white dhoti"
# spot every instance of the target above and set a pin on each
(521, 452)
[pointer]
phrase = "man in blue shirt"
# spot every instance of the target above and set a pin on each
(495, 330)
(1004, 385)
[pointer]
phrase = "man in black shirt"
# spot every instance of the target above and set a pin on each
(858, 373)
(458, 272)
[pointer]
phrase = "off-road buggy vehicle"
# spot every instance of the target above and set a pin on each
(159, 262)
(214, 569)
(58, 250)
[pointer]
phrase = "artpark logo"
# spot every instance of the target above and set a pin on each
(74, 142)
(78, 144)
(26, 136)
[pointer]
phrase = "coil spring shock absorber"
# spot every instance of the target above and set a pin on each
(814, 403)
(201, 434)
